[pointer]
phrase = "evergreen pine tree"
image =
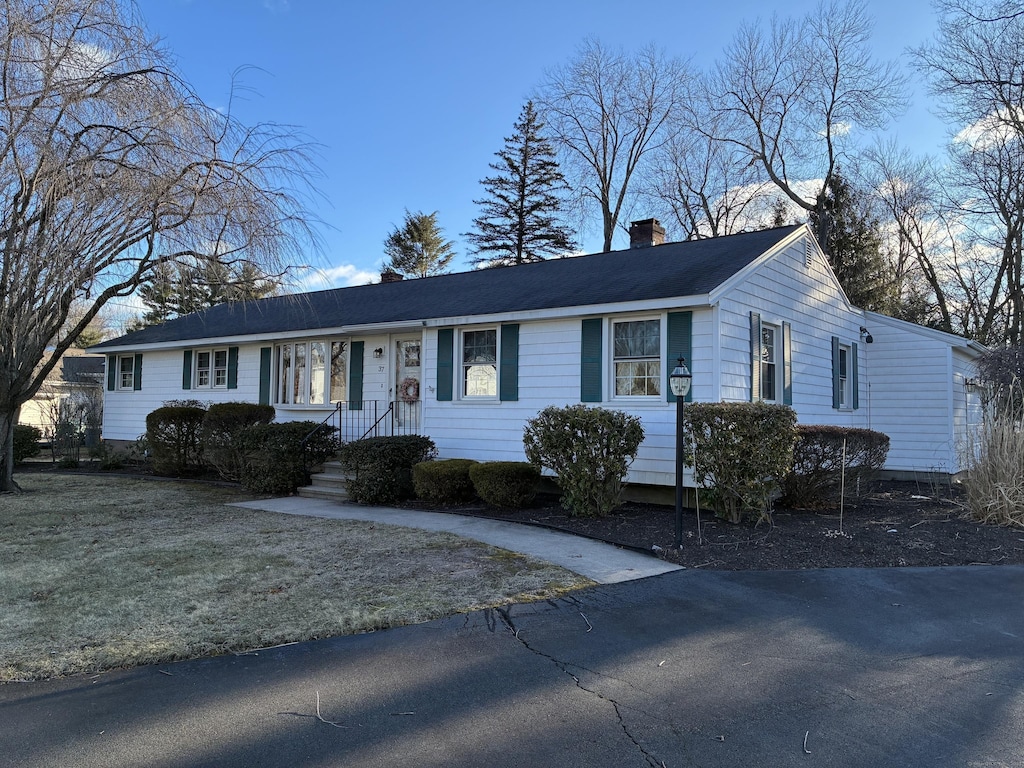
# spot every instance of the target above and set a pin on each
(418, 247)
(849, 234)
(519, 218)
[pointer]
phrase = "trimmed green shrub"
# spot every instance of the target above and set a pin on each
(381, 467)
(444, 482)
(221, 426)
(818, 460)
(505, 483)
(275, 461)
(26, 442)
(588, 449)
(742, 453)
(173, 434)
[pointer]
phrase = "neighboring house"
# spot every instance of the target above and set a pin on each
(467, 358)
(73, 390)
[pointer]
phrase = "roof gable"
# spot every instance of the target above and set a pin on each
(692, 268)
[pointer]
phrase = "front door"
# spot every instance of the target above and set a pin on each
(408, 362)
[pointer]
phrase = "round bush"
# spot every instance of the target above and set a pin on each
(505, 483)
(444, 482)
(26, 442)
(221, 426)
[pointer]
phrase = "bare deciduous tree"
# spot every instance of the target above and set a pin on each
(607, 111)
(704, 186)
(109, 166)
(796, 93)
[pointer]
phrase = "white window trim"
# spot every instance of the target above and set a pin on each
(121, 386)
(460, 365)
(845, 377)
(212, 351)
(276, 372)
(778, 353)
(610, 368)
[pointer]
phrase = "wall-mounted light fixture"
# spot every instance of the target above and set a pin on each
(378, 352)
(865, 335)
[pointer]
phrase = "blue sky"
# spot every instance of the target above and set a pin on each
(409, 101)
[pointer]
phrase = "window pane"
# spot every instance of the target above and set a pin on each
(299, 375)
(220, 368)
(317, 372)
(284, 357)
(481, 381)
(638, 378)
(769, 368)
(637, 338)
(339, 372)
(480, 347)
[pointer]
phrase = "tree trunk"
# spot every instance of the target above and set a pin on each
(7, 421)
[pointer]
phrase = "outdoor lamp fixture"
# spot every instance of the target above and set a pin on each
(865, 335)
(378, 352)
(679, 382)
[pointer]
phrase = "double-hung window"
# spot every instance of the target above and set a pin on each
(480, 363)
(126, 372)
(636, 358)
(770, 337)
(212, 368)
(844, 375)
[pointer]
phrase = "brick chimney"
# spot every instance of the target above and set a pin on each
(390, 276)
(645, 233)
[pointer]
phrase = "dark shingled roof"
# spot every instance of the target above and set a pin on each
(674, 269)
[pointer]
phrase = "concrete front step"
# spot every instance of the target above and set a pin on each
(329, 483)
(324, 492)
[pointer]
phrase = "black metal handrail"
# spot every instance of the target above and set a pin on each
(334, 415)
(390, 409)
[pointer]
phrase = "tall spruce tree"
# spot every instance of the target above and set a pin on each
(519, 222)
(418, 247)
(180, 288)
(849, 234)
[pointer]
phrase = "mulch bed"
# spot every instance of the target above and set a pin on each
(896, 525)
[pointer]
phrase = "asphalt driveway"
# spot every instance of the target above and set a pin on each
(908, 667)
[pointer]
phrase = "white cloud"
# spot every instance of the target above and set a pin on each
(341, 276)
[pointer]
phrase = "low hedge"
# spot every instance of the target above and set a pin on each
(444, 482)
(505, 483)
(381, 467)
(275, 459)
(817, 475)
(174, 435)
(222, 424)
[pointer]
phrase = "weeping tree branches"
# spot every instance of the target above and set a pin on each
(110, 166)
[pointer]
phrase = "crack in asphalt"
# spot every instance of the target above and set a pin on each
(506, 619)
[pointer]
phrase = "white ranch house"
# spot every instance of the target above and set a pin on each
(467, 358)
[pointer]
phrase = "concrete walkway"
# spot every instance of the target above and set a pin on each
(603, 563)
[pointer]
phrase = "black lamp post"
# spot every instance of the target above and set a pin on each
(679, 382)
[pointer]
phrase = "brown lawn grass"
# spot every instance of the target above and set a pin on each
(99, 573)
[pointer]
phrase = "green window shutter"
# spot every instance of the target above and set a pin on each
(755, 357)
(111, 373)
(836, 394)
(508, 370)
(355, 376)
(680, 333)
(266, 356)
(591, 349)
(186, 370)
(787, 364)
(137, 378)
(854, 388)
(445, 363)
(232, 367)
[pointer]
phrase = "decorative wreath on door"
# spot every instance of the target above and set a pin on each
(409, 390)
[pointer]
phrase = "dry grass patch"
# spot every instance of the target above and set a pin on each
(99, 573)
